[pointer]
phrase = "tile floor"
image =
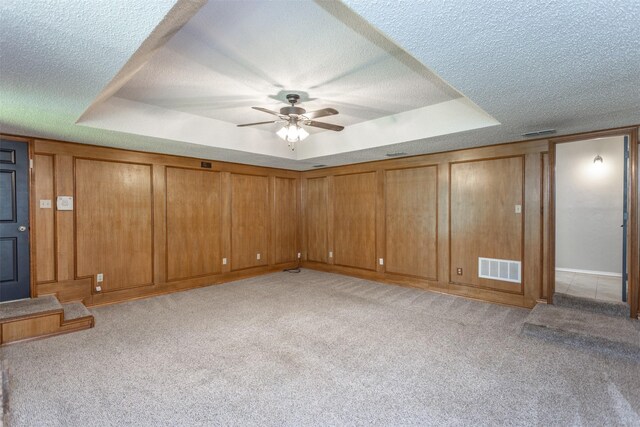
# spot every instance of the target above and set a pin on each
(605, 288)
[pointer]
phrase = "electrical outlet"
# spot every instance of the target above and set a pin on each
(381, 261)
(330, 254)
(257, 256)
(518, 209)
(45, 204)
(99, 277)
(459, 271)
(299, 255)
(224, 261)
(98, 288)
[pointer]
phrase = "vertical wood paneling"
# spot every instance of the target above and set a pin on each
(225, 237)
(159, 224)
(354, 220)
(316, 219)
(483, 220)
(412, 221)
(381, 221)
(532, 224)
(114, 220)
(193, 223)
(250, 221)
(44, 218)
(285, 220)
(544, 241)
(64, 219)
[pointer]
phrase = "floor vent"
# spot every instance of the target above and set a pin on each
(499, 269)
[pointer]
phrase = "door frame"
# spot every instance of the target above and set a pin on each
(632, 229)
(30, 185)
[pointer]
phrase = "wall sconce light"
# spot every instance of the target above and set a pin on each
(598, 159)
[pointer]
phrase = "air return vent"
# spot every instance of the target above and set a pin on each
(539, 133)
(499, 269)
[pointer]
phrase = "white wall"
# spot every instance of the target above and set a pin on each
(589, 200)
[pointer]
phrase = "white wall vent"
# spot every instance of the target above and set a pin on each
(499, 269)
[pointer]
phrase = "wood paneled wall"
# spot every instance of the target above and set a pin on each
(315, 219)
(193, 234)
(249, 221)
(416, 221)
(114, 223)
(483, 218)
(411, 219)
(354, 220)
(153, 223)
(285, 247)
(45, 221)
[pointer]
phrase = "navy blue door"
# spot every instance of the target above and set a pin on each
(14, 220)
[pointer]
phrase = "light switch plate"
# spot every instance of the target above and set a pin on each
(99, 277)
(257, 256)
(330, 254)
(518, 209)
(224, 261)
(381, 261)
(64, 203)
(45, 204)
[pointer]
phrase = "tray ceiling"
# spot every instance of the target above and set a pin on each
(176, 77)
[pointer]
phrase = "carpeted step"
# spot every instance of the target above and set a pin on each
(609, 308)
(75, 310)
(28, 307)
(599, 332)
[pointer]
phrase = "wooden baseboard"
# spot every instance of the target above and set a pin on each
(436, 286)
(81, 289)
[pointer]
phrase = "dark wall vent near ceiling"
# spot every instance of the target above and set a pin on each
(399, 154)
(539, 133)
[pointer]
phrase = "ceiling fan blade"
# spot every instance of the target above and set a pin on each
(257, 123)
(264, 110)
(322, 125)
(320, 113)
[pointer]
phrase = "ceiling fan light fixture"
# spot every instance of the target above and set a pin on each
(292, 116)
(292, 133)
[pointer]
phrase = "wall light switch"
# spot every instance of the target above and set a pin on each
(99, 277)
(381, 261)
(258, 256)
(330, 254)
(224, 261)
(518, 208)
(45, 204)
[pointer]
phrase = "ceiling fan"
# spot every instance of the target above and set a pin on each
(293, 117)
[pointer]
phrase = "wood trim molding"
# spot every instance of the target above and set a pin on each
(633, 238)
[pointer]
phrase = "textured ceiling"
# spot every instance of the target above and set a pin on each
(230, 56)
(572, 66)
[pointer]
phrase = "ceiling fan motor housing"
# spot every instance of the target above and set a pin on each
(292, 110)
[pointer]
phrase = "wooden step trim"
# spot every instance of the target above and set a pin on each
(40, 325)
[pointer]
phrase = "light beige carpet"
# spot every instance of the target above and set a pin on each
(314, 349)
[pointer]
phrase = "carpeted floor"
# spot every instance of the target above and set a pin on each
(314, 349)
